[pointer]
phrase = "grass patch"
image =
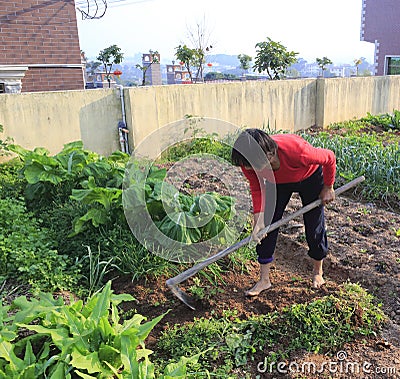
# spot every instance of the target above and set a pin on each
(228, 343)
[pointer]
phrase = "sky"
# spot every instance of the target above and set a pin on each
(312, 28)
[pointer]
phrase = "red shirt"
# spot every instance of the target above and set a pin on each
(298, 161)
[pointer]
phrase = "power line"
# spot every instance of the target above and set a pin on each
(92, 11)
(91, 3)
(95, 9)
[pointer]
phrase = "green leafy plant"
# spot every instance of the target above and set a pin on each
(387, 121)
(11, 183)
(175, 214)
(4, 144)
(103, 203)
(52, 178)
(187, 56)
(27, 253)
(97, 270)
(244, 60)
(77, 340)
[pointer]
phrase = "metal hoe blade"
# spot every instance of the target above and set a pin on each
(182, 296)
(172, 283)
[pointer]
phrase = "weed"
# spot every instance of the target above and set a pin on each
(296, 279)
(301, 237)
(365, 211)
(4, 144)
(97, 270)
(198, 141)
(28, 254)
(11, 183)
(321, 326)
(196, 289)
(136, 260)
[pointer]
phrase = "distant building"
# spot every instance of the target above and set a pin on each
(176, 74)
(310, 70)
(99, 80)
(380, 25)
(342, 71)
(153, 72)
(39, 46)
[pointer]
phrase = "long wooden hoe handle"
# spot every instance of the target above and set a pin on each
(199, 266)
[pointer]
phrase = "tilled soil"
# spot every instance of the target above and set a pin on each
(364, 249)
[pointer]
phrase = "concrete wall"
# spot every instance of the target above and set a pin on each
(51, 119)
(288, 105)
(343, 99)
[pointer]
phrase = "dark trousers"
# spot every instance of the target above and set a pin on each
(314, 220)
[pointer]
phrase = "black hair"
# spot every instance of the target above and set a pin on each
(251, 148)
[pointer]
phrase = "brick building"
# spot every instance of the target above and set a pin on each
(176, 74)
(153, 72)
(39, 46)
(380, 25)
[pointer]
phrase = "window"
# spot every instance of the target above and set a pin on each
(2, 88)
(393, 66)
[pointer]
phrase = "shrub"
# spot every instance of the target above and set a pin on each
(27, 253)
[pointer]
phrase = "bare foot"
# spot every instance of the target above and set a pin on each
(258, 288)
(318, 281)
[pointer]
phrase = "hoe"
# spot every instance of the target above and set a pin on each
(172, 283)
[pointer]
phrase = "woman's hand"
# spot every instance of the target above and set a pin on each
(258, 225)
(327, 194)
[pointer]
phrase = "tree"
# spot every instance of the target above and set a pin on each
(187, 56)
(199, 38)
(244, 62)
(357, 62)
(109, 56)
(322, 63)
(273, 58)
(195, 58)
(144, 68)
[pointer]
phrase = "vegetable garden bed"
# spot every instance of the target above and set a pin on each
(71, 245)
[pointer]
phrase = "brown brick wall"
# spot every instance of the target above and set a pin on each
(40, 32)
(52, 79)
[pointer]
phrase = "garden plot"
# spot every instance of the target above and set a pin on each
(64, 232)
(364, 249)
